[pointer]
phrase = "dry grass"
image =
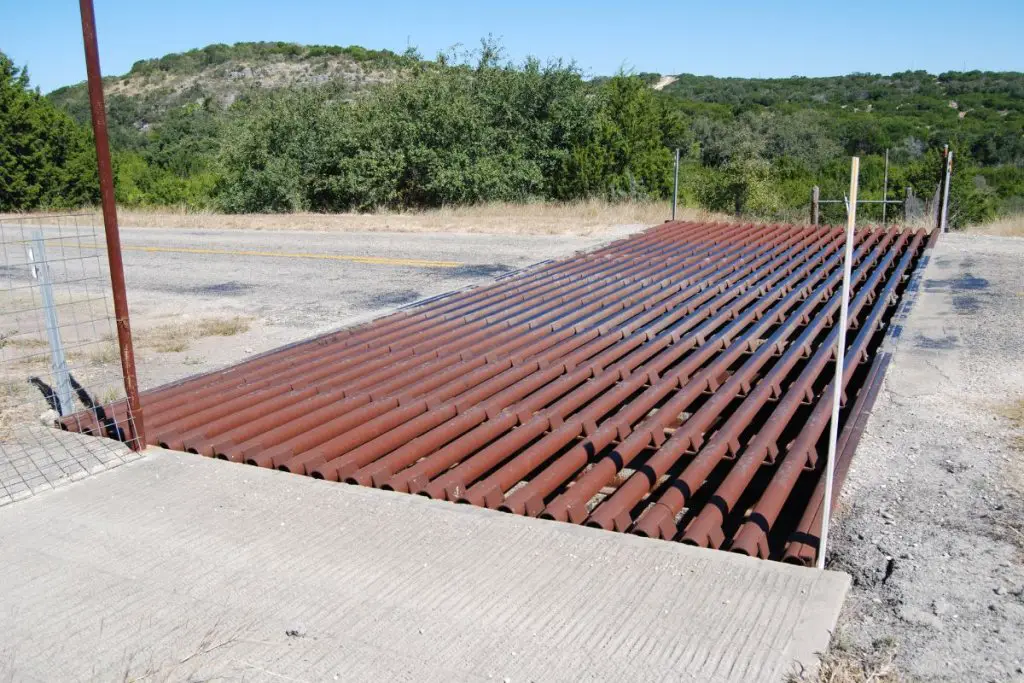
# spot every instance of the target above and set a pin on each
(176, 337)
(840, 665)
(26, 343)
(6, 419)
(105, 353)
(170, 338)
(10, 339)
(42, 359)
(588, 217)
(1014, 412)
(109, 395)
(222, 327)
(1009, 226)
(13, 398)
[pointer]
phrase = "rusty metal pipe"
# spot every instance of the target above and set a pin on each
(311, 417)
(310, 353)
(613, 513)
(135, 421)
(452, 484)
(725, 347)
(194, 403)
(658, 518)
(752, 537)
(706, 528)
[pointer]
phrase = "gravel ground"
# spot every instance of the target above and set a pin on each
(931, 526)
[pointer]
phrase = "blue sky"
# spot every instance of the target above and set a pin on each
(738, 38)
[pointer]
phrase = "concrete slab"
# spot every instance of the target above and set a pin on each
(177, 567)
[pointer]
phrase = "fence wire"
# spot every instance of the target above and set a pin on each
(59, 353)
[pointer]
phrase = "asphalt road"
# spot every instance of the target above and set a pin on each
(290, 285)
(317, 281)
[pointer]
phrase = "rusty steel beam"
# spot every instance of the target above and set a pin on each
(640, 387)
(133, 413)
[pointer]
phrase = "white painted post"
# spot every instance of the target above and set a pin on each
(837, 389)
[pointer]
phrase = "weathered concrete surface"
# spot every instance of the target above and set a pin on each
(177, 567)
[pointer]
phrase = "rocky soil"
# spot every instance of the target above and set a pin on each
(932, 520)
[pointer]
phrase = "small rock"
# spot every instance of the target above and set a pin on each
(999, 590)
(297, 631)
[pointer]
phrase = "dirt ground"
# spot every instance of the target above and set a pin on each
(932, 521)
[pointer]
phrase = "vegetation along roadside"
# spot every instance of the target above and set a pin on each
(280, 127)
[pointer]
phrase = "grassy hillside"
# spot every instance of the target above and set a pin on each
(279, 126)
(217, 76)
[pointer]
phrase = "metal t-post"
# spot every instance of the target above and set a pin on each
(885, 190)
(113, 237)
(58, 363)
(675, 187)
(837, 390)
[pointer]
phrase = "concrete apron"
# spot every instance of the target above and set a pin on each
(177, 566)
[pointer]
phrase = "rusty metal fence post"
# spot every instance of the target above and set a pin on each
(113, 239)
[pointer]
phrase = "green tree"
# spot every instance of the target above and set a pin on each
(46, 159)
(628, 156)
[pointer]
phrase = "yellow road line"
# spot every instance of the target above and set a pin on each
(375, 260)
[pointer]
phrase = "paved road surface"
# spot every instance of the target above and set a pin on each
(290, 284)
(317, 280)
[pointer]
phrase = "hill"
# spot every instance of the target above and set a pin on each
(279, 126)
(984, 108)
(216, 76)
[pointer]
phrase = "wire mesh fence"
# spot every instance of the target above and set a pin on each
(59, 354)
